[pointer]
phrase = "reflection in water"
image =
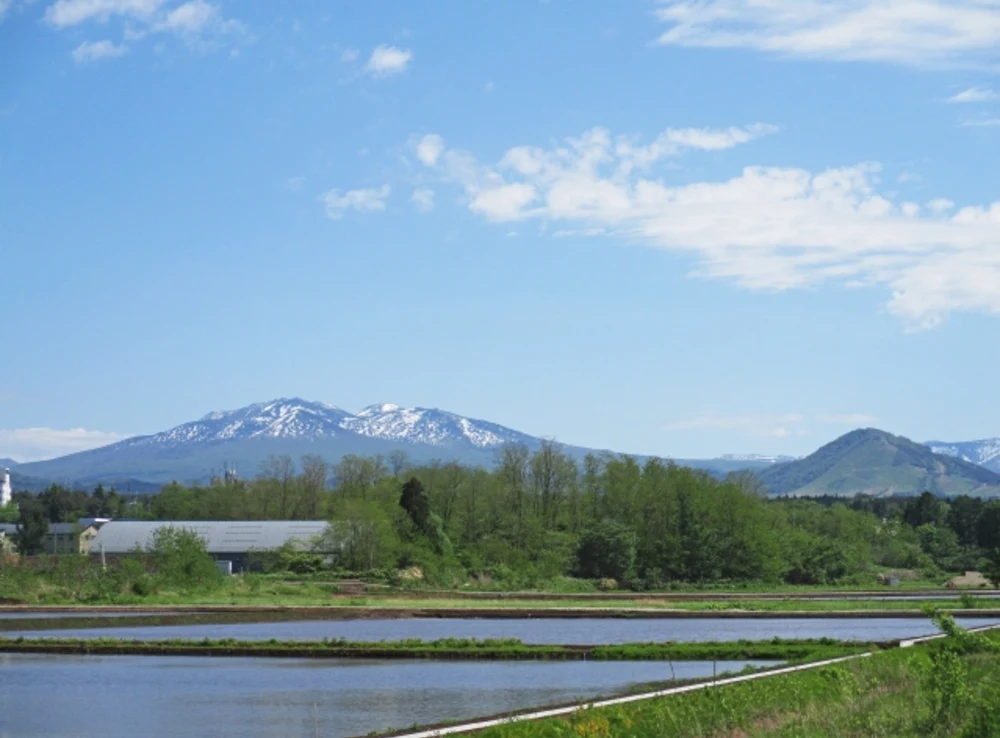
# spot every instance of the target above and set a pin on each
(573, 631)
(181, 697)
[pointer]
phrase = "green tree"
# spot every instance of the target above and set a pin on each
(607, 551)
(179, 558)
(34, 525)
(963, 517)
(417, 505)
(926, 509)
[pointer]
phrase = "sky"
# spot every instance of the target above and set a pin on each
(677, 227)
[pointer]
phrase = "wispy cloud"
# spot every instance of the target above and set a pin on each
(974, 95)
(920, 33)
(35, 444)
(984, 123)
(65, 13)
(388, 60)
(766, 228)
(429, 148)
(780, 426)
(90, 51)
(423, 199)
(198, 22)
(337, 203)
(189, 18)
(349, 54)
(294, 184)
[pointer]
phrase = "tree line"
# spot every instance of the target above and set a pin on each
(539, 518)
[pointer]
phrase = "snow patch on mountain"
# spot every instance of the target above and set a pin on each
(984, 453)
(425, 425)
(296, 418)
(761, 458)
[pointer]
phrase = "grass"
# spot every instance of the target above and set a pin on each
(448, 648)
(930, 690)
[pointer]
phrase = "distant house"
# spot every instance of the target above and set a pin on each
(234, 541)
(61, 538)
(64, 538)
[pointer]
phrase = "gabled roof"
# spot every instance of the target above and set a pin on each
(221, 537)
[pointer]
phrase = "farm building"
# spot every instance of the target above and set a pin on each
(61, 538)
(234, 541)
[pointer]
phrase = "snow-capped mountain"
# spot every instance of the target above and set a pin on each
(283, 418)
(294, 418)
(984, 453)
(434, 427)
(758, 458)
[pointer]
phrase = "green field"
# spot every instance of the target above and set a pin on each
(947, 688)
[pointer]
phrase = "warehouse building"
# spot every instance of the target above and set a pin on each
(226, 541)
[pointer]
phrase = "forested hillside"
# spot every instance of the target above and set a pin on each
(538, 517)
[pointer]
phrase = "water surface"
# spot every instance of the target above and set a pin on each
(189, 697)
(541, 631)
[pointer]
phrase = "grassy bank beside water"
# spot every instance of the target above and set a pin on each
(447, 649)
(949, 687)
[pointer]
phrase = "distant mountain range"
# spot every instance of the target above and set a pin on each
(871, 461)
(985, 453)
(244, 438)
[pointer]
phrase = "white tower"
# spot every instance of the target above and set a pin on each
(5, 490)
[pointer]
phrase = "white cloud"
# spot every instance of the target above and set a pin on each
(194, 20)
(423, 199)
(984, 123)
(5, 5)
(191, 17)
(35, 444)
(387, 60)
(940, 205)
(65, 13)
(363, 200)
(429, 148)
(780, 426)
(908, 178)
(974, 95)
(349, 55)
(765, 228)
(922, 33)
(294, 184)
(857, 419)
(504, 202)
(90, 51)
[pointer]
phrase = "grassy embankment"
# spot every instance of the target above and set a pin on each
(449, 649)
(949, 687)
(276, 593)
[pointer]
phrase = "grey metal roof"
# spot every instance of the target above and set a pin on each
(122, 536)
(8, 528)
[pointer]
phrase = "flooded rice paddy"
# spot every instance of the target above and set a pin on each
(534, 631)
(189, 697)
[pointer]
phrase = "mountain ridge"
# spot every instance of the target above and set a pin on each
(984, 452)
(872, 461)
(244, 437)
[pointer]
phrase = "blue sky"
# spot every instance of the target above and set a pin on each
(684, 228)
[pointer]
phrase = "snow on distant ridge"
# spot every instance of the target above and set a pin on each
(297, 418)
(984, 453)
(762, 458)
